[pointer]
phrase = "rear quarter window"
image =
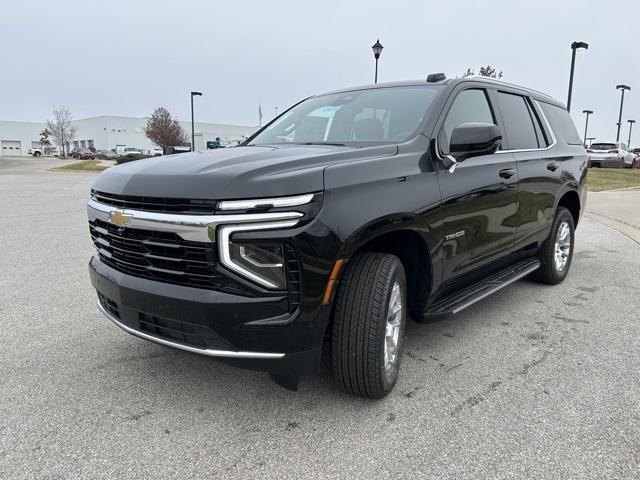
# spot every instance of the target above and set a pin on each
(561, 124)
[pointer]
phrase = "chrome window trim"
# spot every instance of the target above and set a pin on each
(293, 201)
(225, 253)
(197, 228)
(203, 351)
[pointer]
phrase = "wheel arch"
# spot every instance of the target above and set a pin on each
(410, 241)
(570, 199)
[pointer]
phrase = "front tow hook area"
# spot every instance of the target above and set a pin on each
(290, 382)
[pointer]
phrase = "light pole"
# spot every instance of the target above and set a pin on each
(586, 125)
(193, 132)
(574, 46)
(622, 89)
(631, 122)
(377, 50)
(590, 140)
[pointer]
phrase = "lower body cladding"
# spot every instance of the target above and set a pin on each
(213, 323)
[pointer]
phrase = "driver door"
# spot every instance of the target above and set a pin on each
(480, 197)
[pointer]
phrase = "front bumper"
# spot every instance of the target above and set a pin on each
(251, 332)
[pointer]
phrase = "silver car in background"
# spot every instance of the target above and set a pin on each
(612, 155)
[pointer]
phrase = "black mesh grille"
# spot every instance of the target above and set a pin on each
(157, 204)
(293, 277)
(110, 306)
(171, 330)
(161, 256)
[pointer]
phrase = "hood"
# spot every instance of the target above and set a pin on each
(232, 173)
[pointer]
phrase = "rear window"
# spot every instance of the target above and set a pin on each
(603, 146)
(561, 124)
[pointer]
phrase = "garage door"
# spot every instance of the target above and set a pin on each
(10, 147)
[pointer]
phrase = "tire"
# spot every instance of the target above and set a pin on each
(550, 271)
(358, 338)
(36, 154)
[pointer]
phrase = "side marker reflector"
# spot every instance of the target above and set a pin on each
(332, 280)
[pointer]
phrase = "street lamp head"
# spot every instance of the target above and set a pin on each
(623, 87)
(588, 112)
(631, 121)
(577, 45)
(377, 49)
(196, 94)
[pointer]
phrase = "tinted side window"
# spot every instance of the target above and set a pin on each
(469, 106)
(561, 123)
(518, 123)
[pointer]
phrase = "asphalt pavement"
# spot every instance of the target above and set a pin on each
(533, 382)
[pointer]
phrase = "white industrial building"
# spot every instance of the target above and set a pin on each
(109, 132)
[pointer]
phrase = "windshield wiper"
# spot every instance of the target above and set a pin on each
(332, 144)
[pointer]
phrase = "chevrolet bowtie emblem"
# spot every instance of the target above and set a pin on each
(119, 218)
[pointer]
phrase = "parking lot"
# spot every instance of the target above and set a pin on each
(533, 382)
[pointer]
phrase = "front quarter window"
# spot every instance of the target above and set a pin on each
(360, 117)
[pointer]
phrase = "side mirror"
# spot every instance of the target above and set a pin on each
(472, 140)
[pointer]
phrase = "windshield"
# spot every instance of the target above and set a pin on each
(603, 146)
(361, 117)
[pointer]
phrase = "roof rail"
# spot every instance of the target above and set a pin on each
(502, 82)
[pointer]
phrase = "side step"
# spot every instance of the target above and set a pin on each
(461, 299)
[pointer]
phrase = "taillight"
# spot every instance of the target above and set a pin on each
(589, 151)
(613, 151)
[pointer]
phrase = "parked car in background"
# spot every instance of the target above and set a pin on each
(156, 151)
(107, 154)
(83, 154)
(636, 160)
(132, 151)
(612, 155)
(49, 150)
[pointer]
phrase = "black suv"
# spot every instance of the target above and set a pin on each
(335, 222)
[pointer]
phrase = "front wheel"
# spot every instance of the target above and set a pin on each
(556, 252)
(368, 325)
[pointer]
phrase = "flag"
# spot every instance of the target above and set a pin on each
(259, 115)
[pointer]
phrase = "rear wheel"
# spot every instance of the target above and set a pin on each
(368, 325)
(556, 252)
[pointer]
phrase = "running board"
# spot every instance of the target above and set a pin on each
(461, 299)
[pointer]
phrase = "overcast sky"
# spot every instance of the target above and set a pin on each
(125, 57)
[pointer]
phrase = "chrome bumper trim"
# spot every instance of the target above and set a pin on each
(202, 351)
(197, 228)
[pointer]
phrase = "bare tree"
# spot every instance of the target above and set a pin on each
(61, 128)
(164, 130)
(487, 71)
(490, 72)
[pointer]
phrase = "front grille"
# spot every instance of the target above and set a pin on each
(157, 204)
(170, 330)
(293, 277)
(109, 305)
(161, 256)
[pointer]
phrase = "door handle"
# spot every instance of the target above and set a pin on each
(507, 173)
(552, 166)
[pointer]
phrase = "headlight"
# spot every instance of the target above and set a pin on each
(265, 262)
(262, 263)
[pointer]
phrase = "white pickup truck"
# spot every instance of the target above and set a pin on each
(49, 151)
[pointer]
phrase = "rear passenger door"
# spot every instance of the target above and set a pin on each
(529, 140)
(480, 198)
